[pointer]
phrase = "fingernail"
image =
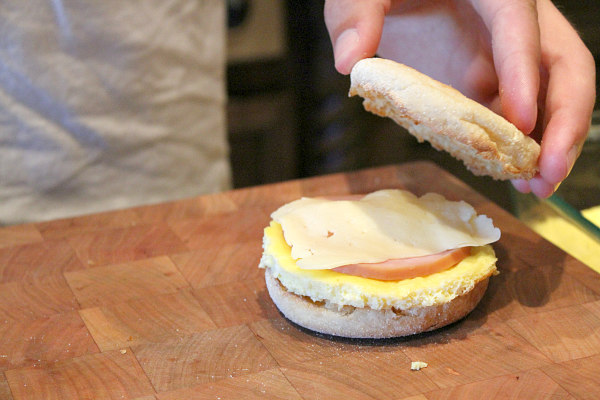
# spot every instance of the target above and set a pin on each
(344, 49)
(556, 187)
(572, 156)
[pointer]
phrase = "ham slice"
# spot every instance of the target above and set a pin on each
(406, 268)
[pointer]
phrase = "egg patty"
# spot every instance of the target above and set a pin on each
(341, 290)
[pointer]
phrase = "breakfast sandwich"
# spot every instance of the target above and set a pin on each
(382, 265)
(431, 111)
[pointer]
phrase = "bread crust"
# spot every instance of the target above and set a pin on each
(352, 322)
(486, 143)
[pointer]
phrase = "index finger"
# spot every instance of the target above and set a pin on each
(354, 29)
(515, 36)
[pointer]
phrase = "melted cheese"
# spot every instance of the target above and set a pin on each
(341, 289)
(388, 224)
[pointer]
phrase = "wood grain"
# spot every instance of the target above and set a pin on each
(552, 290)
(165, 301)
(269, 196)
(119, 245)
(17, 235)
(300, 345)
(237, 303)
(217, 264)
(462, 357)
(5, 392)
(29, 300)
(37, 260)
(87, 223)
(146, 320)
(585, 275)
(220, 230)
(121, 282)
(564, 334)
(108, 375)
(532, 384)
(44, 341)
(358, 376)
(270, 384)
(203, 357)
(580, 377)
(197, 207)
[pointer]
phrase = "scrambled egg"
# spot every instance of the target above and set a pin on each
(342, 289)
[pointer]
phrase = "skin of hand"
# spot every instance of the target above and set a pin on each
(520, 58)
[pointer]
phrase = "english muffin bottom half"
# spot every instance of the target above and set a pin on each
(338, 304)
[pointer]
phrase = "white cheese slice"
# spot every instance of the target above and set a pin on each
(383, 225)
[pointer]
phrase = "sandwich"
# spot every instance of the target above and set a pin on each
(431, 111)
(390, 263)
(383, 265)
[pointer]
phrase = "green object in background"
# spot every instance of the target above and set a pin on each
(562, 224)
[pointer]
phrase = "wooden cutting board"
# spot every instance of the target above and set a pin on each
(167, 302)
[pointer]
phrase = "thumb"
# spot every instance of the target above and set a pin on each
(354, 28)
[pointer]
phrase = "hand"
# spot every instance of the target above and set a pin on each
(520, 58)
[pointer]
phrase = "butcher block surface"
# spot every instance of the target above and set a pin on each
(166, 302)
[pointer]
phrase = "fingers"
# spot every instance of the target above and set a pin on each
(537, 55)
(521, 185)
(569, 101)
(355, 28)
(513, 25)
(570, 98)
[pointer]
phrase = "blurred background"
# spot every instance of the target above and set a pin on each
(289, 115)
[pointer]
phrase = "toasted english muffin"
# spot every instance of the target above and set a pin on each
(484, 141)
